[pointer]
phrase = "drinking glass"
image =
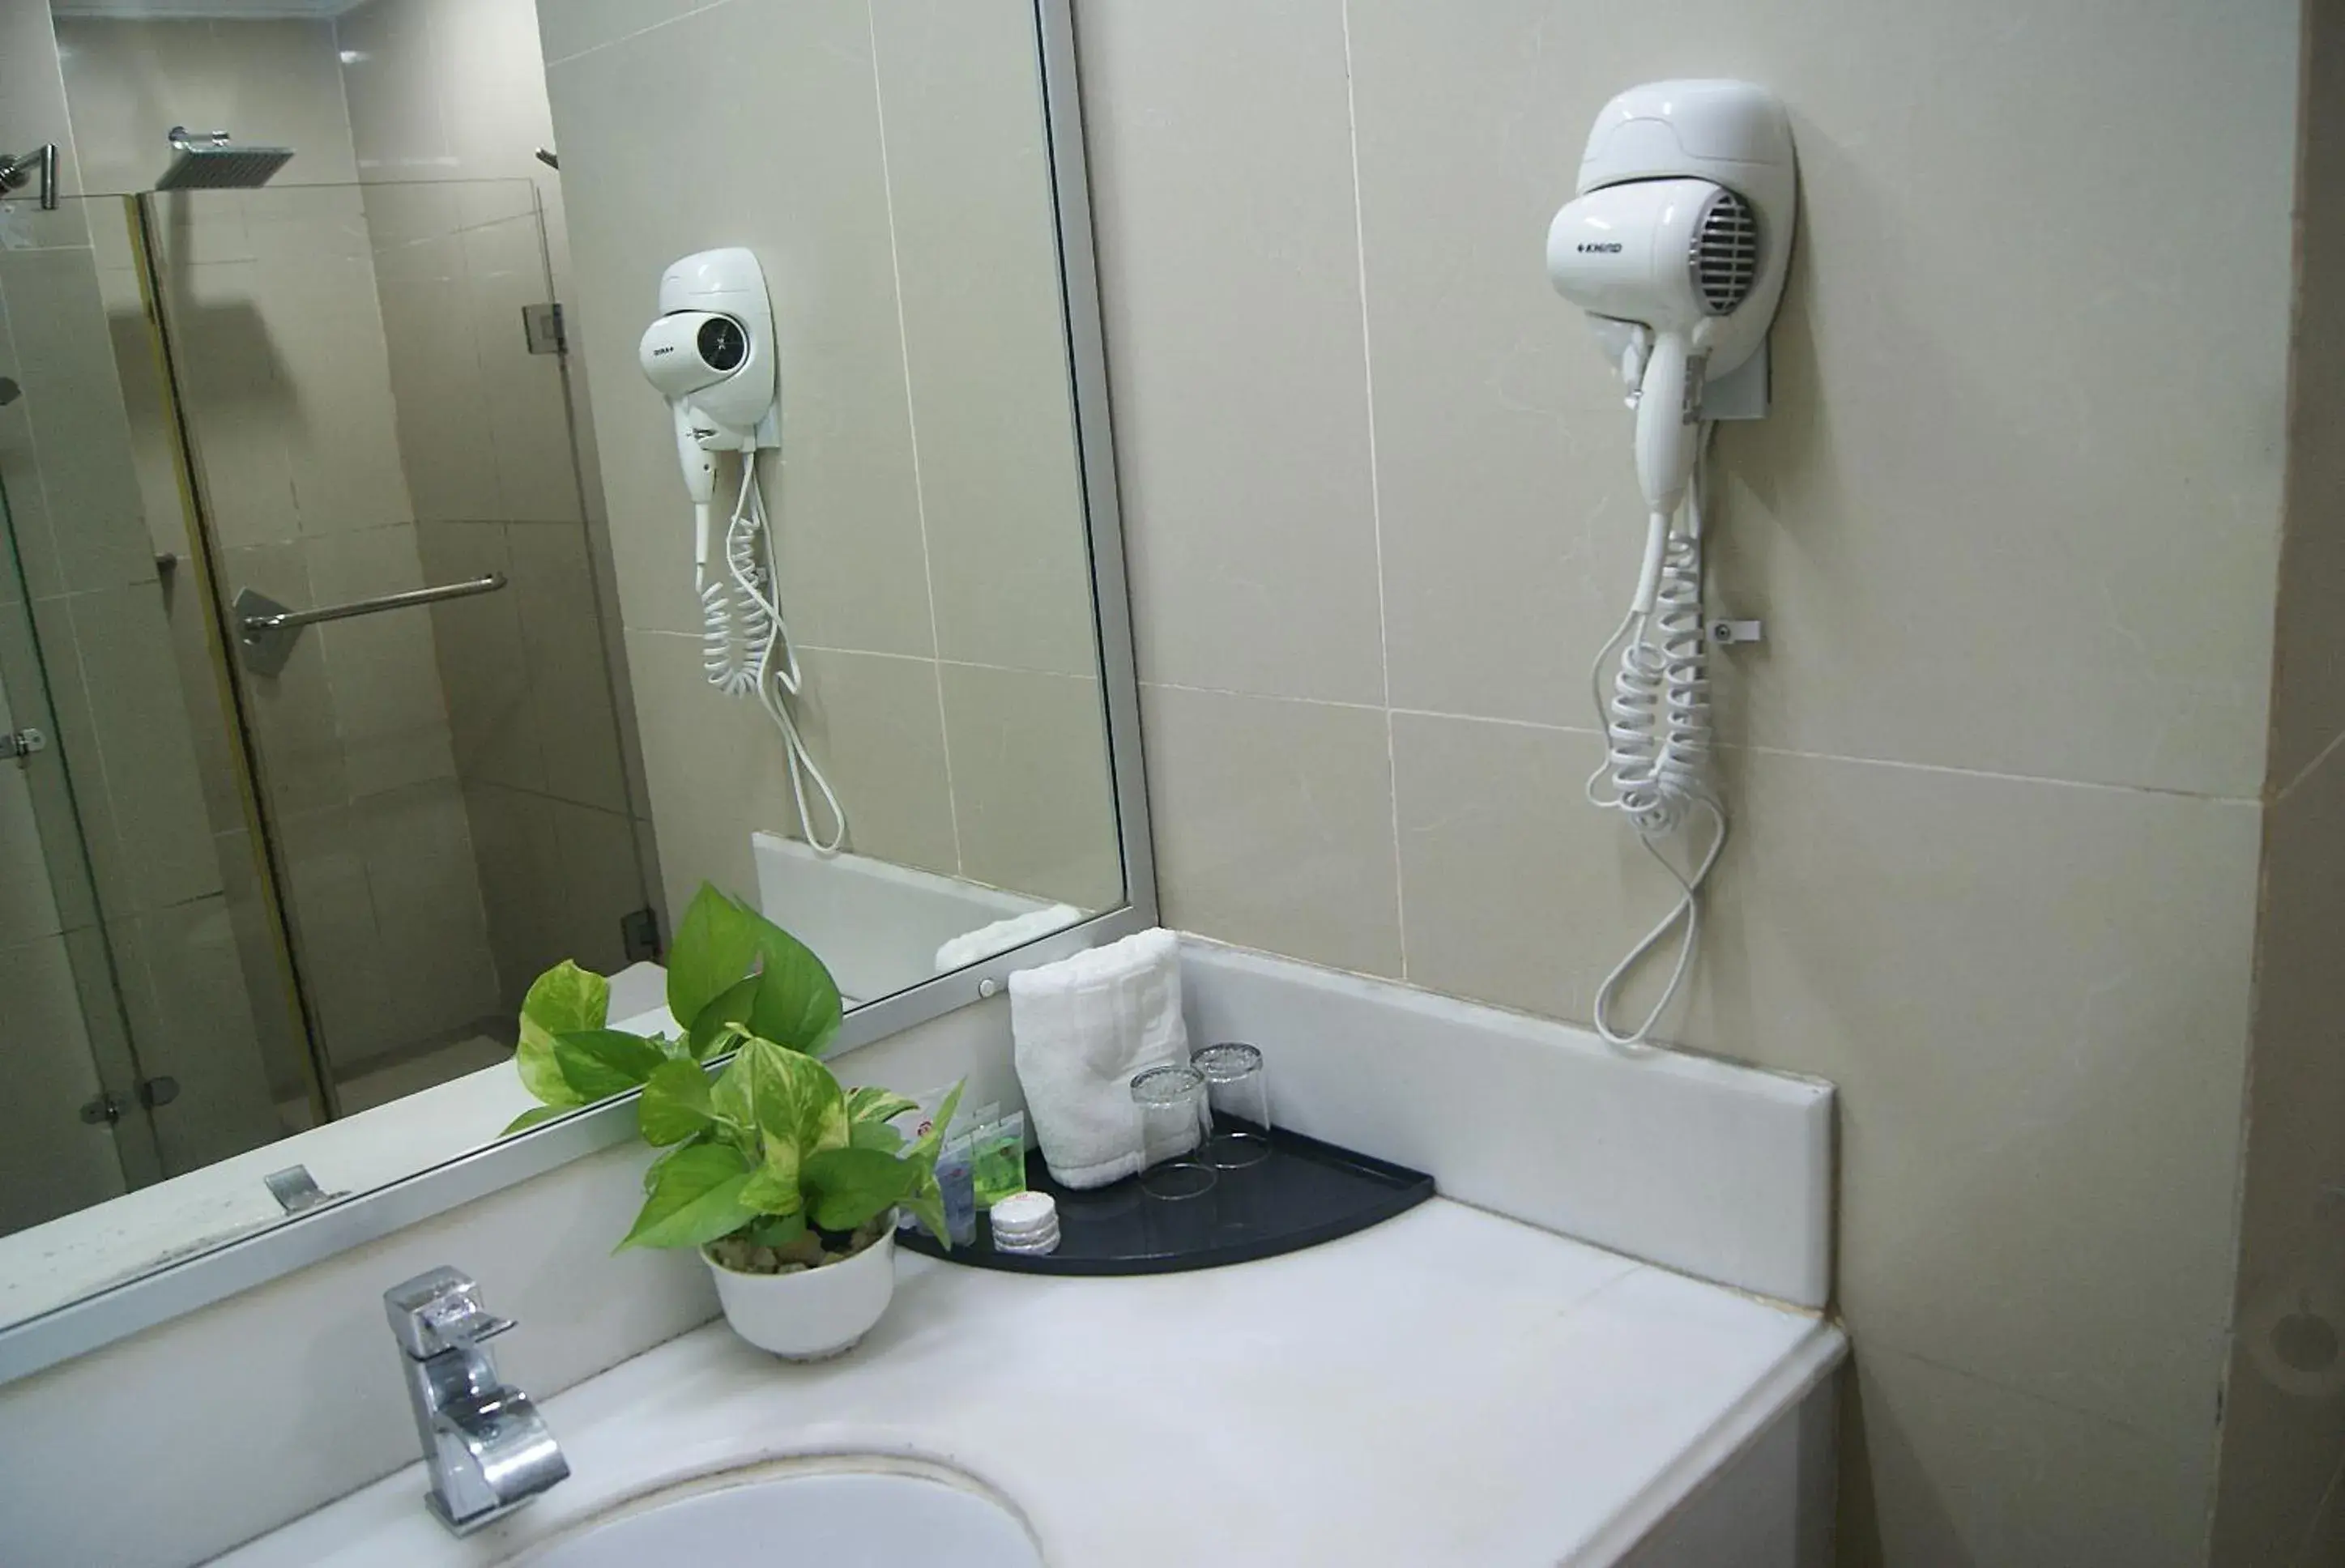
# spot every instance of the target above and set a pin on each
(1171, 1100)
(1237, 1093)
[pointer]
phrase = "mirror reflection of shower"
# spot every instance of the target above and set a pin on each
(213, 162)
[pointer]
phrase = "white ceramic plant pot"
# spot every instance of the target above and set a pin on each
(815, 1312)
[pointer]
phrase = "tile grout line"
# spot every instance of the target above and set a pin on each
(1999, 774)
(2310, 1538)
(925, 659)
(912, 425)
(630, 37)
(1375, 484)
(2308, 769)
(1546, 727)
(2011, 1389)
(902, 658)
(1746, 748)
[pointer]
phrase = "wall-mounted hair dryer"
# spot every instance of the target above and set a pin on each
(711, 353)
(1677, 247)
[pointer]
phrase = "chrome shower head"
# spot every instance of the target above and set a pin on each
(210, 163)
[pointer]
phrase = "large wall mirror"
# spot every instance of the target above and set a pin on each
(362, 650)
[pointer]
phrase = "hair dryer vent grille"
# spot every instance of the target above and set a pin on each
(1725, 257)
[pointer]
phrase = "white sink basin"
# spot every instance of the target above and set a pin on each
(841, 1513)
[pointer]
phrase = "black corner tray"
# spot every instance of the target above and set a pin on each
(1306, 1192)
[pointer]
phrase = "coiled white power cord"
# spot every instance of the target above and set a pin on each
(1658, 741)
(757, 658)
(758, 627)
(720, 657)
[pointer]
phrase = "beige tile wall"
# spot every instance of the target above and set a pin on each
(2012, 527)
(885, 159)
(447, 101)
(287, 386)
(2284, 1415)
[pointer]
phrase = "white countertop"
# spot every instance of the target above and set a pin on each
(1448, 1388)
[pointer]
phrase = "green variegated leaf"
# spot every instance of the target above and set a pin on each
(795, 1099)
(715, 948)
(774, 1185)
(651, 1171)
(845, 1186)
(563, 1000)
(729, 1099)
(798, 1004)
(926, 1203)
(925, 1146)
(676, 1103)
(694, 1199)
(876, 1135)
(794, 1105)
(532, 1116)
(599, 1063)
(739, 1089)
(823, 1123)
(723, 1020)
(781, 1231)
(869, 1104)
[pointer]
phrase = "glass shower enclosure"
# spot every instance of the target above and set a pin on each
(70, 1043)
(308, 608)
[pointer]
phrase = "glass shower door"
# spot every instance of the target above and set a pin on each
(388, 513)
(129, 857)
(72, 1132)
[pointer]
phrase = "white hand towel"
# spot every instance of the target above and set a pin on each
(976, 947)
(1083, 1026)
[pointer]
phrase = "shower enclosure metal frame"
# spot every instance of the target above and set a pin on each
(219, 637)
(337, 1227)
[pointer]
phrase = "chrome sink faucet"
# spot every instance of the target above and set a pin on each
(488, 1450)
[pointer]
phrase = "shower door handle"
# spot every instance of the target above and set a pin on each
(266, 630)
(17, 171)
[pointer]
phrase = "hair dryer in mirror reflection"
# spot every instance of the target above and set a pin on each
(711, 353)
(1677, 247)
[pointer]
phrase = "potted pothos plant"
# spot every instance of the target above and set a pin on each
(786, 1183)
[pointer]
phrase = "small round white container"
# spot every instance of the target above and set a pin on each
(1026, 1222)
(815, 1312)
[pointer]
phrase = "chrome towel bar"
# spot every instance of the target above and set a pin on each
(266, 630)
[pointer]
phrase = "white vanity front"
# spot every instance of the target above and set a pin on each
(1448, 1388)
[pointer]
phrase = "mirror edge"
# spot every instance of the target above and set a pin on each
(178, 1289)
(1095, 444)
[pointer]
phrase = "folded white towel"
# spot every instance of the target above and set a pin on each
(1083, 1026)
(976, 947)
